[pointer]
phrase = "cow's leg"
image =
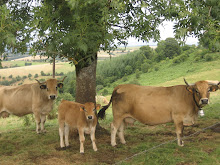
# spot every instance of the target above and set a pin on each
(121, 133)
(67, 130)
(114, 128)
(38, 121)
(179, 132)
(81, 139)
(42, 122)
(61, 131)
(92, 135)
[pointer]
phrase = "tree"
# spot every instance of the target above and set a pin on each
(168, 49)
(198, 18)
(78, 29)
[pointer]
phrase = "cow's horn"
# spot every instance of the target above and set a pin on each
(63, 79)
(39, 81)
(185, 82)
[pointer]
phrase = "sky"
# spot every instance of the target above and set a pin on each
(166, 30)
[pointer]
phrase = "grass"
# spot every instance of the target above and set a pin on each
(21, 145)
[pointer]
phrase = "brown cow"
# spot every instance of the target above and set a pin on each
(157, 105)
(80, 116)
(36, 98)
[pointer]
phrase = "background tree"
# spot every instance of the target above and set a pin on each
(168, 48)
(198, 18)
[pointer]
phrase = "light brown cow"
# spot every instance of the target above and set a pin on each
(157, 105)
(36, 98)
(80, 116)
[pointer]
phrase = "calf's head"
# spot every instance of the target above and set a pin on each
(51, 86)
(90, 110)
(201, 90)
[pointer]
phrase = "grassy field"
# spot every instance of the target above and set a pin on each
(153, 145)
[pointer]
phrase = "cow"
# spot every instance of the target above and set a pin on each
(36, 98)
(101, 99)
(157, 105)
(80, 116)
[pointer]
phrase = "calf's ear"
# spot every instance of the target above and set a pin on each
(82, 107)
(43, 86)
(214, 88)
(60, 85)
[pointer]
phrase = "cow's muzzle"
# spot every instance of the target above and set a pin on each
(90, 117)
(52, 97)
(204, 101)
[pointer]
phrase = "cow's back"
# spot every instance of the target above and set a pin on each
(149, 105)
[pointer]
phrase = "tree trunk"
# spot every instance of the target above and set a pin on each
(54, 60)
(86, 82)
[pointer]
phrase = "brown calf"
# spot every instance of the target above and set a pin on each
(157, 105)
(80, 116)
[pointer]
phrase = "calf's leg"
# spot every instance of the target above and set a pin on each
(67, 130)
(92, 136)
(61, 132)
(81, 139)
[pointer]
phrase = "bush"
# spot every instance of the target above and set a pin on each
(42, 73)
(134, 81)
(36, 75)
(10, 76)
(125, 78)
(208, 57)
(29, 75)
(128, 69)
(137, 74)
(24, 77)
(145, 67)
(99, 87)
(105, 92)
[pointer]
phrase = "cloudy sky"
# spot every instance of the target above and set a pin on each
(166, 30)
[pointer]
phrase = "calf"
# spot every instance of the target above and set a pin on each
(80, 116)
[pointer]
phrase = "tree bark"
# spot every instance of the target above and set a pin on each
(54, 60)
(86, 82)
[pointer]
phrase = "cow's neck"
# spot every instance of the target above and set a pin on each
(196, 102)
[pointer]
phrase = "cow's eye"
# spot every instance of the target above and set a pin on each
(209, 90)
(197, 91)
(56, 88)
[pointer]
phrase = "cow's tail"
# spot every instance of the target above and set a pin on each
(101, 114)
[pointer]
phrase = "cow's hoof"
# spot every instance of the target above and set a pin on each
(82, 152)
(123, 142)
(95, 149)
(113, 144)
(43, 131)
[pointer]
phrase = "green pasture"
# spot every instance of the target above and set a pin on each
(153, 145)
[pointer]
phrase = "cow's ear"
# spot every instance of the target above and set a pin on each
(189, 88)
(43, 86)
(98, 106)
(214, 88)
(60, 85)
